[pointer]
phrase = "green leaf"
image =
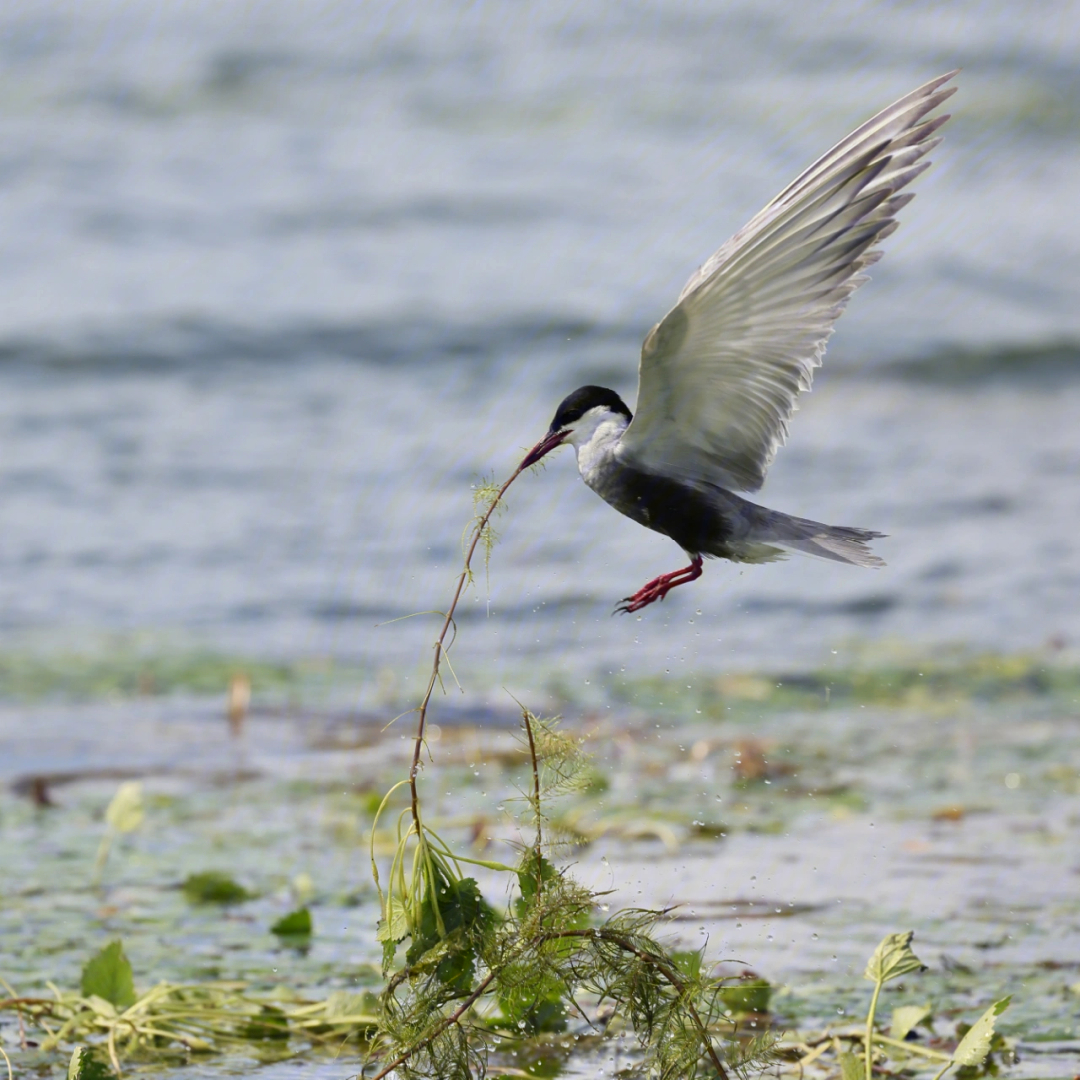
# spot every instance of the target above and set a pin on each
(213, 887)
(85, 1066)
(295, 924)
(906, 1018)
(893, 958)
(748, 996)
(975, 1045)
(395, 927)
(108, 975)
(125, 812)
(852, 1067)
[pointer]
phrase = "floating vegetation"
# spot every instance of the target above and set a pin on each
(123, 669)
(971, 1054)
(214, 887)
(169, 1018)
(547, 963)
(297, 924)
(945, 680)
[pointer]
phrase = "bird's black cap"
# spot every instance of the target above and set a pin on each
(574, 406)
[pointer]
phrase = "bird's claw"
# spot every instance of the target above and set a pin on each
(642, 598)
(658, 588)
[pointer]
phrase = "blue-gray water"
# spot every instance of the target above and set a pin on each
(279, 282)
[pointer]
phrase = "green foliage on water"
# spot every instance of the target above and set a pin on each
(942, 681)
(214, 887)
(124, 670)
(295, 924)
(107, 975)
(748, 996)
(85, 1064)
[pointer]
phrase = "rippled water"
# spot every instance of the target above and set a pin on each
(277, 288)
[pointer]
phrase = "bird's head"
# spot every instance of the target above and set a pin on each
(577, 417)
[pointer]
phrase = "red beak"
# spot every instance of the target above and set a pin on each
(544, 446)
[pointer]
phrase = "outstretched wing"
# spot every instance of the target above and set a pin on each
(720, 374)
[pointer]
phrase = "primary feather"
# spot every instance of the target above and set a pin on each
(720, 374)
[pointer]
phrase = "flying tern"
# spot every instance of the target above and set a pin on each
(720, 373)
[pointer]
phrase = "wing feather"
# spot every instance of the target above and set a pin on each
(720, 374)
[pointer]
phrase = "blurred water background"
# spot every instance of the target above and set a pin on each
(279, 283)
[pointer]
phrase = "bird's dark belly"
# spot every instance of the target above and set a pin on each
(694, 519)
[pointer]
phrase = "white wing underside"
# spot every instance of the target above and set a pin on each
(720, 373)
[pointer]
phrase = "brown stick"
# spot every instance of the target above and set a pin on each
(440, 649)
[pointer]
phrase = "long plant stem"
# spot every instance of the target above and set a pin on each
(441, 648)
(870, 1032)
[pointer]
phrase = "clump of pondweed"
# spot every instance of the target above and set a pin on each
(521, 971)
(470, 971)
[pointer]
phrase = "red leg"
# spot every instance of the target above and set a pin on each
(659, 587)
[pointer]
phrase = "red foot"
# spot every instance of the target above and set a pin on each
(659, 587)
